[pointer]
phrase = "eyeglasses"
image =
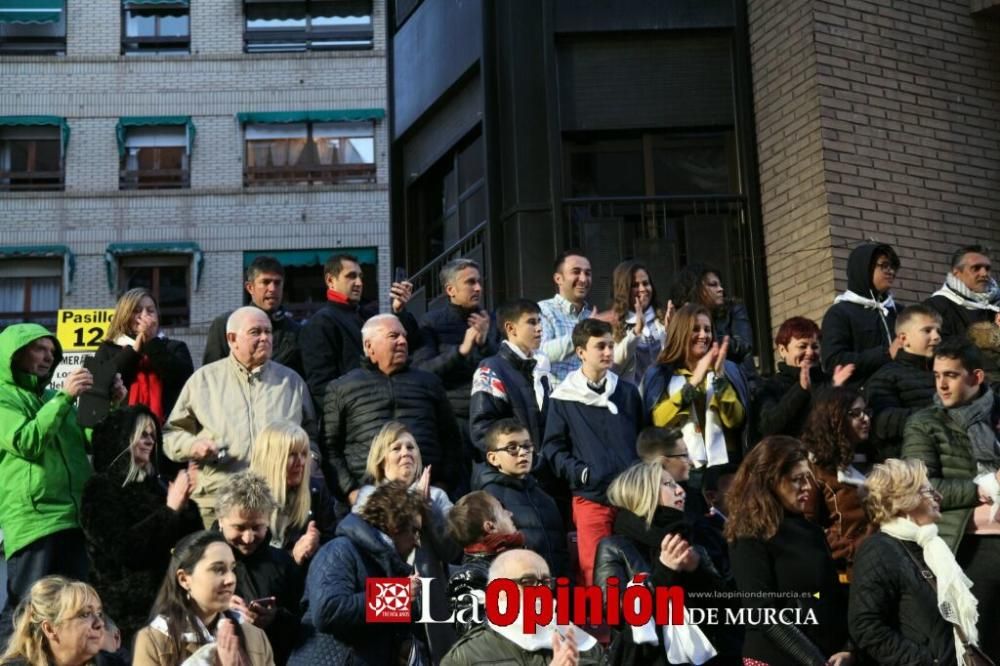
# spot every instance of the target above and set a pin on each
(858, 413)
(886, 267)
(535, 581)
(512, 449)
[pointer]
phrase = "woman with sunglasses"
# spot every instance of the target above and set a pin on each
(652, 537)
(375, 542)
(838, 424)
(782, 563)
(904, 572)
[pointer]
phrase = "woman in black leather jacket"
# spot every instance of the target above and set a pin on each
(650, 536)
(484, 528)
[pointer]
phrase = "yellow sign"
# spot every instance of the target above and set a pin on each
(82, 330)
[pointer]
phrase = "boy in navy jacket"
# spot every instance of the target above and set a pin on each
(590, 435)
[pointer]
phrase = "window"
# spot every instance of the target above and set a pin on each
(30, 158)
(166, 277)
(162, 28)
(30, 290)
(273, 27)
(309, 153)
(155, 158)
(32, 27)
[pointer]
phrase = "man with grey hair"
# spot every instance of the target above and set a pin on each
(225, 404)
(550, 645)
(269, 584)
(456, 337)
(386, 388)
(969, 294)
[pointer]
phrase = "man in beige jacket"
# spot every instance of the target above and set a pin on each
(225, 404)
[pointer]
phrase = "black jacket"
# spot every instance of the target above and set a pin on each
(321, 509)
(853, 333)
(955, 319)
(469, 581)
(795, 560)
(441, 333)
(331, 344)
(893, 616)
(733, 320)
(535, 515)
(358, 404)
(271, 572)
(130, 530)
(897, 390)
(781, 405)
(505, 388)
(284, 344)
(170, 359)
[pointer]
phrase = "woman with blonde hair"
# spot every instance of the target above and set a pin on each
(305, 518)
(59, 623)
(906, 577)
(153, 368)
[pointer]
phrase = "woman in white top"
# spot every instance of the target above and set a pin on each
(638, 323)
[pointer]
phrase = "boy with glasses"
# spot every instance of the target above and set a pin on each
(507, 477)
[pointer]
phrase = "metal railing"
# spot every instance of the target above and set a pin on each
(312, 175)
(154, 179)
(19, 181)
(427, 286)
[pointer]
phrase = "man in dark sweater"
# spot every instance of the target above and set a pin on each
(590, 435)
(455, 338)
(265, 281)
(905, 384)
(386, 388)
(969, 294)
(331, 339)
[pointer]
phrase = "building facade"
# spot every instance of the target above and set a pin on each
(166, 144)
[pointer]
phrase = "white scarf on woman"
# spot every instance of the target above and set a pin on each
(706, 443)
(683, 643)
(955, 602)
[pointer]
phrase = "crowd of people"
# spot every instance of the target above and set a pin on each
(234, 515)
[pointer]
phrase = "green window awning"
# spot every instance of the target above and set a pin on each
(152, 121)
(31, 11)
(38, 121)
(330, 116)
(306, 258)
(116, 250)
(154, 4)
(44, 252)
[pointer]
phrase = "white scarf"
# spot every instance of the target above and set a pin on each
(882, 307)
(543, 368)
(683, 643)
(125, 341)
(203, 656)
(541, 639)
(652, 326)
(955, 291)
(574, 389)
(955, 602)
(710, 451)
(851, 476)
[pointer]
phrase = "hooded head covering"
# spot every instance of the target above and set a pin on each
(861, 266)
(113, 436)
(17, 337)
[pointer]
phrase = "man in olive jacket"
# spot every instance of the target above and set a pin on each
(43, 464)
(957, 440)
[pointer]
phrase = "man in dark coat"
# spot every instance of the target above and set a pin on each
(455, 338)
(859, 327)
(265, 280)
(906, 384)
(957, 440)
(969, 294)
(331, 339)
(386, 388)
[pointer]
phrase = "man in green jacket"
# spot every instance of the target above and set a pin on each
(957, 439)
(43, 464)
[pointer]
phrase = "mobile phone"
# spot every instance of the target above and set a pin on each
(399, 275)
(263, 603)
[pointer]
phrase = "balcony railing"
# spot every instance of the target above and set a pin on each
(16, 181)
(154, 179)
(427, 286)
(315, 175)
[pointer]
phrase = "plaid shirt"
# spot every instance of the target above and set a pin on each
(558, 320)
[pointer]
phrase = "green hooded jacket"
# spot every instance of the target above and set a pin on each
(43, 457)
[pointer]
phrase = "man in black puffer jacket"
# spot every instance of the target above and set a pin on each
(357, 405)
(507, 476)
(455, 338)
(906, 384)
(859, 327)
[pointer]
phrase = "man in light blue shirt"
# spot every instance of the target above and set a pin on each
(563, 311)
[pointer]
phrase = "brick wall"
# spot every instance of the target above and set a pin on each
(874, 120)
(92, 86)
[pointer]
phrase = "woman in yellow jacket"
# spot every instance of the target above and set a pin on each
(695, 389)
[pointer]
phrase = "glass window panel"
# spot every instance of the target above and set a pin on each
(140, 25)
(46, 294)
(48, 156)
(172, 25)
(164, 135)
(354, 14)
(470, 164)
(276, 131)
(605, 168)
(473, 210)
(281, 16)
(691, 165)
(11, 295)
(20, 156)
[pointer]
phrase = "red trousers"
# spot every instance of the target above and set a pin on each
(593, 522)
